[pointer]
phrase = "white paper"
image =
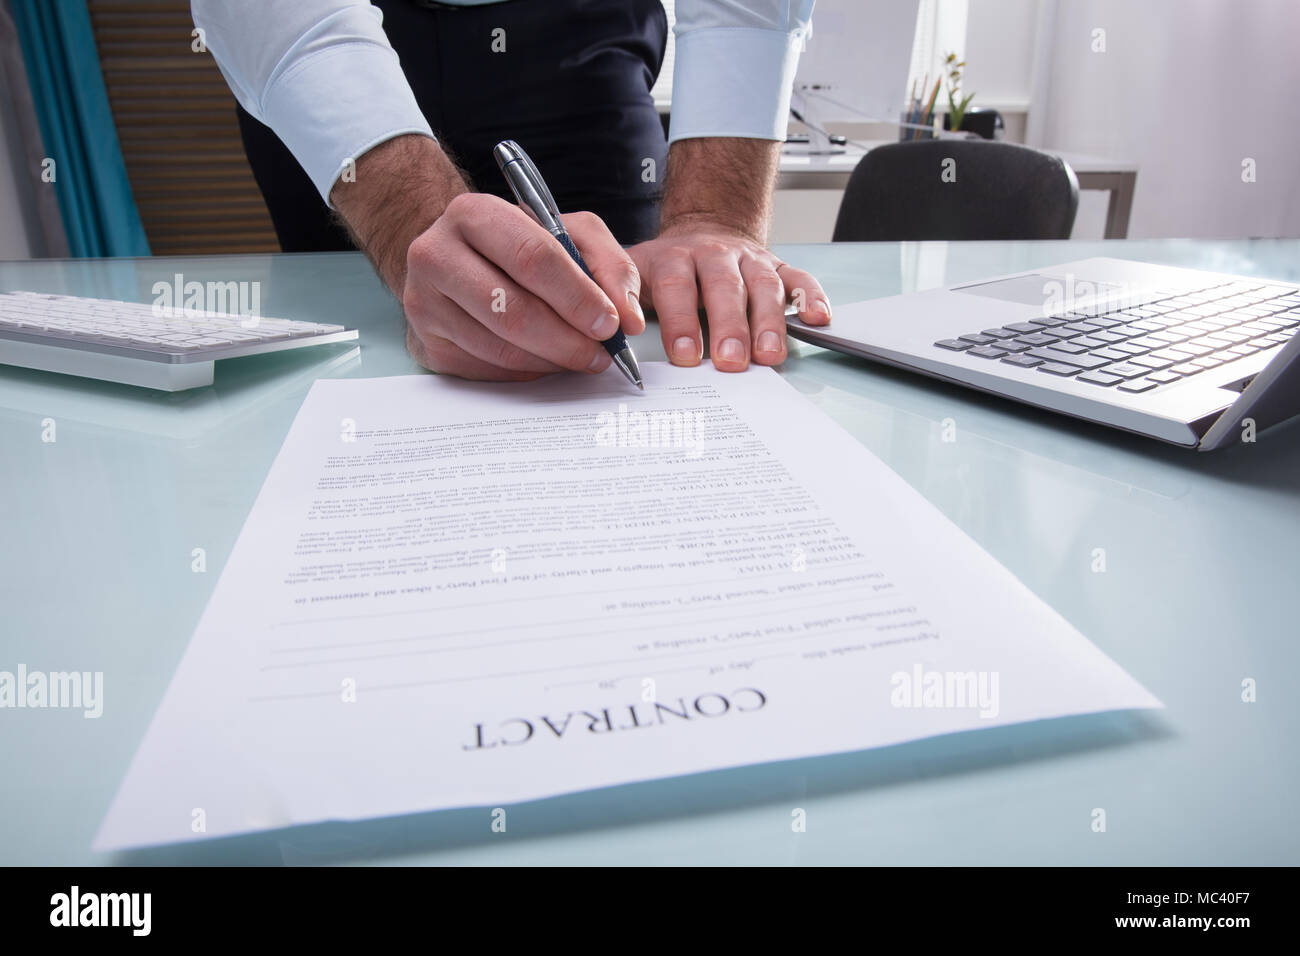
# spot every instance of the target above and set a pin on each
(455, 594)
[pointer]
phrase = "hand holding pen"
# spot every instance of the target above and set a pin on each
(489, 295)
(536, 199)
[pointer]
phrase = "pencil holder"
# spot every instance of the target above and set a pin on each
(907, 128)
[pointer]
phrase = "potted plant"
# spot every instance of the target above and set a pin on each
(957, 105)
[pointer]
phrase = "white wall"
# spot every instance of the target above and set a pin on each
(1188, 89)
(1000, 52)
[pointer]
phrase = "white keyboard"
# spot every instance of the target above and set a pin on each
(141, 344)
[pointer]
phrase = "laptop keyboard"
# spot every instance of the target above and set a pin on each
(1139, 348)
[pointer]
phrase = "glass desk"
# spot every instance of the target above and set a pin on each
(98, 531)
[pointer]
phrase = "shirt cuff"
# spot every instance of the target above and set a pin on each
(733, 81)
(337, 102)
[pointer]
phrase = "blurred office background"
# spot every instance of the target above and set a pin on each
(1198, 95)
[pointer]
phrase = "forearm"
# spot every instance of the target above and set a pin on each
(721, 181)
(401, 187)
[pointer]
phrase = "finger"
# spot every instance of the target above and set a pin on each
(723, 291)
(676, 300)
(806, 293)
(447, 358)
(766, 296)
(459, 328)
(613, 268)
(496, 302)
(538, 263)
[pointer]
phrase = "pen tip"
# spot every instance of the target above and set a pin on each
(641, 385)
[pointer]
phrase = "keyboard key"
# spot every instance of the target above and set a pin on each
(1088, 342)
(1022, 327)
(1072, 348)
(1098, 378)
(1057, 357)
(988, 352)
(1151, 361)
(976, 339)
(1128, 348)
(1037, 338)
(1128, 370)
(1082, 327)
(1111, 355)
(1000, 333)
(1056, 368)
(1108, 337)
(1023, 361)
(1207, 362)
(1138, 385)
(1163, 378)
(1149, 342)
(1105, 323)
(955, 345)
(1172, 336)
(1065, 332)
(1187, 369)
(1015, 346)
(1047, 322)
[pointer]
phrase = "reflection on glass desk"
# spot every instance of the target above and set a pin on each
(1179, 565)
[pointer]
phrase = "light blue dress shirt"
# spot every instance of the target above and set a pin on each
(322, 74)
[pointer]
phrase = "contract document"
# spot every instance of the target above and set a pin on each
(457, 594)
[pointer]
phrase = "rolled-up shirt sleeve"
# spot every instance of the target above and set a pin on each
(320, 73)
(734, 66)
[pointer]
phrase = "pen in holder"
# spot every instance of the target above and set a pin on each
(917, 121)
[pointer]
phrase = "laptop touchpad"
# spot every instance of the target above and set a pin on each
(1029, 290)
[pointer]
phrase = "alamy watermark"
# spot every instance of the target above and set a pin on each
(663, 428)
(1071, 294)
(948, 690)
(72, 690)
(193, 299)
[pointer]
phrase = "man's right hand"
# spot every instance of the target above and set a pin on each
(488, 293)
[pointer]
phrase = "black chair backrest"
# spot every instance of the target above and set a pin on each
(957, 189)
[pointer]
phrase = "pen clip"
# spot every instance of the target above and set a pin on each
(527, 185)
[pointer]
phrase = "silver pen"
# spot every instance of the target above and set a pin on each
(530, 189)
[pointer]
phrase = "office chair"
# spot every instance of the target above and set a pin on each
(997, 190)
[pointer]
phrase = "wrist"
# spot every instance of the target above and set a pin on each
(720, 183)
(400, 188)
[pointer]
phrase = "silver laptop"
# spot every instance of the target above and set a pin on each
(1193, 358)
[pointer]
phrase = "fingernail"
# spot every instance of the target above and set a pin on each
(600, 362)
(769, 342)
(731, 350)
(685, 350)
(822, 307)
(605, 326)
(634, 301)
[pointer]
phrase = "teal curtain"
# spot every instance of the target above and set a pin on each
(99, 213)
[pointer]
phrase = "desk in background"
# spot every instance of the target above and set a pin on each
(98, 531)
(803, 171)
